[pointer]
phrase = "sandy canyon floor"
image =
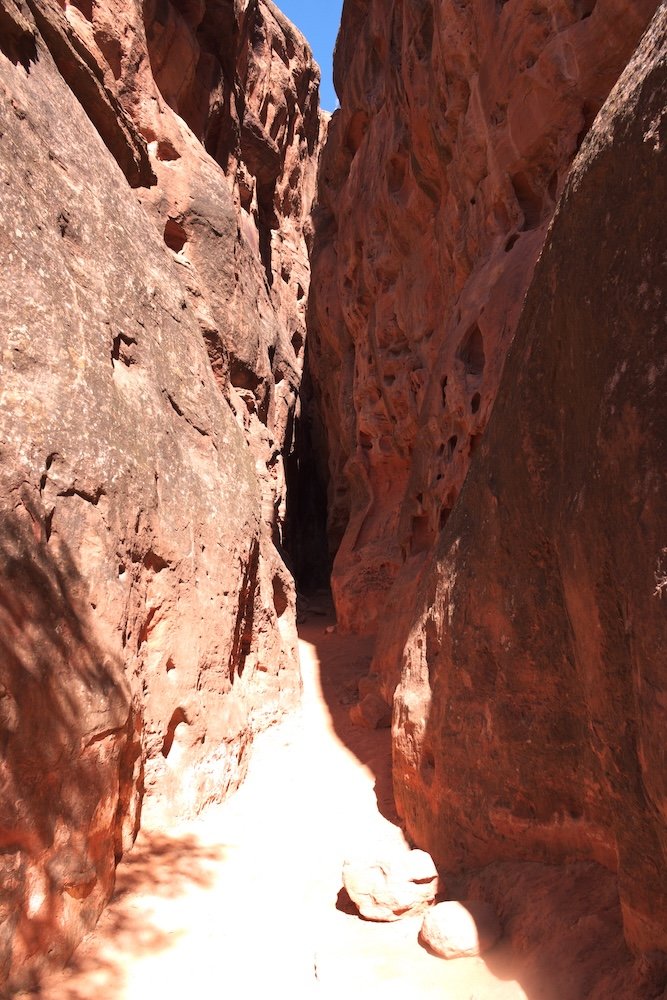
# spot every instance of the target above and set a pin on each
(243, 900)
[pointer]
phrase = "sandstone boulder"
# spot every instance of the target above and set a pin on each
(460, 930)
(391, 888)
(371, 712)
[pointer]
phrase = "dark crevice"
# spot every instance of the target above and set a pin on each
(306, 472)
(174, 235)
(471, 352)
(178, 718)
(245, 616)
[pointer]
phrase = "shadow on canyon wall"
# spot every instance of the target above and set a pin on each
(162, 867)
(64, 747)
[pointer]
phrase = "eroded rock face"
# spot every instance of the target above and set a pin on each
(530, 716)
(156, 166)
(457, 127)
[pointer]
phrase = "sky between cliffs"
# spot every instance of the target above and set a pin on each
(319, 22)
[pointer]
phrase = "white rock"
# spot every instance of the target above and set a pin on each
(391, 888)
(460, 930)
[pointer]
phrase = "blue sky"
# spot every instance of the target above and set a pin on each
(319, 22)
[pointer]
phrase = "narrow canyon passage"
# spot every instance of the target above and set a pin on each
(410, 351)
(242, 900)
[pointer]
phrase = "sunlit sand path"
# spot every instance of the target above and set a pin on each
(242, 900)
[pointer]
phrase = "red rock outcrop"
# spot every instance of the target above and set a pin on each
(157, 163)
(530, 717)
(457, 127)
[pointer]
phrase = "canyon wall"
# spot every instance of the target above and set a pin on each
(517, 594)
(157, 164)
(457, 127)
(530, 716)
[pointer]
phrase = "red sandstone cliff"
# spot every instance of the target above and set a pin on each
(457, 127)
(521, 613)
(530, 717)
(157, 164)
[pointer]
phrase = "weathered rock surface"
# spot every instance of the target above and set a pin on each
(457, 127)
(530, 717)
(390, 888)
(151, 347)
(460, 930)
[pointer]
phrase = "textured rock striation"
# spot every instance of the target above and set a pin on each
(530, 716)
(457, 127)
(157, 164)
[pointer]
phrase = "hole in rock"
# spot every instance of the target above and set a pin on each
(443, 387)
(451, 445)
(155, 562)
(123, 349)
(178, 718)
(584, 8)
(528, 199)
(297, 343)
(174, 235)
(422, 535)
(475, 403)
(471, 351)
(356, 131)
(428, 767)
(280, 599)
(166, 152)
(512, 241)
(365, 440)
(242, 376)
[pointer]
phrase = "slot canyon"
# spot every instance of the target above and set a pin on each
(333, 501)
